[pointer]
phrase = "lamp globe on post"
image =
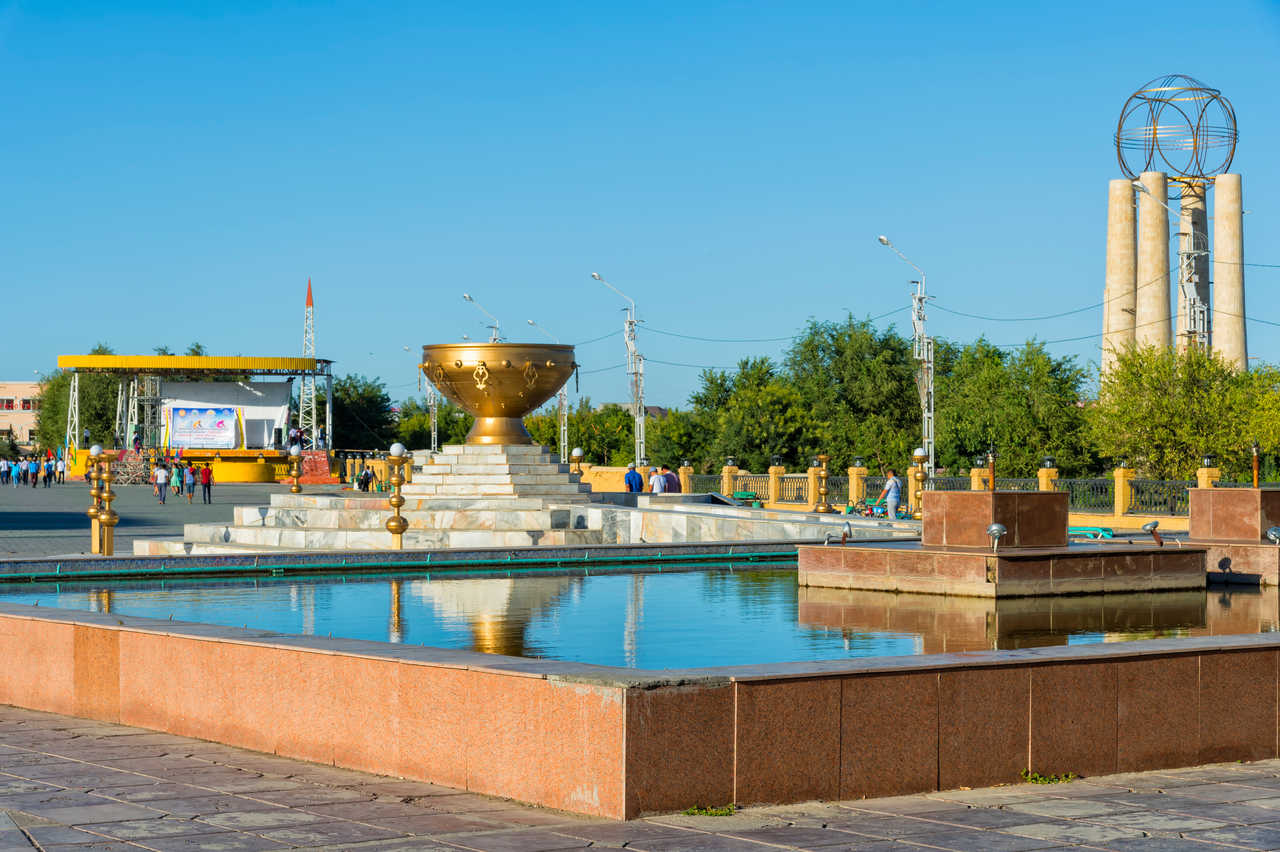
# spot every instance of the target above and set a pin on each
(295, 468)
(396, 524)
(95, 498)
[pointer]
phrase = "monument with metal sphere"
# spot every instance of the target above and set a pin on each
(1175, 138)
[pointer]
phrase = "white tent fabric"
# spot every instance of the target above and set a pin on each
(262, 407)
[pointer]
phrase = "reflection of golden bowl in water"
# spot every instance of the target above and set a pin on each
(498, 382)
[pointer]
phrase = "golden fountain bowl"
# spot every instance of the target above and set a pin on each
(499, 383)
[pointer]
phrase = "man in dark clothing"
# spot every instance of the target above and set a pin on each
(206, 483)
(633, 480)
(673, 481)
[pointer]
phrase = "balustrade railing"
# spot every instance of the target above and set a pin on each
(794, 488)
(837, 490)
(1089, 495)
(705, 483)
(1159, 496)
(757, 482)
(950, 483)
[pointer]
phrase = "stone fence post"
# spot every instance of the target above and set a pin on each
(857, 484)
(728, 480)
(811, 496)
(1123, 490)
(1046, 477)
(775, 482)
(977, 479)
(1207, 477)
(686, 479)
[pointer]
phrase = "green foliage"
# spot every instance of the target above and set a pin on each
(1026, 402)
(1161, 411)
(414, 426)
(698, 810)
(678, 436)
(762, 416)
(1036, 778)
(98, 392)
(362, 418)
(606, 436)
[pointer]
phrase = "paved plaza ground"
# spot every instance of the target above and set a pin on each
(51, 522)
(81, 786)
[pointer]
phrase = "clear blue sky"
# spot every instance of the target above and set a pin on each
(174, 174)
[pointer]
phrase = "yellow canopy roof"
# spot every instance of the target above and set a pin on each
(158, 364)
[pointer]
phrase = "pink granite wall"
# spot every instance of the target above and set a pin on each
(961, 518)
(1233, 514)
(590, 743)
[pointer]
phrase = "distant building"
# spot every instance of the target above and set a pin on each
(19, 402)
(657, 412)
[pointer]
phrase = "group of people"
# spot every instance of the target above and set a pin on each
(182, 479)
(662, 481)
(32, 470)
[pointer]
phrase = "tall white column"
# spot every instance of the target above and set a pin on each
(1118, 295)
(1228, 271)
(1193, 229)
(1152, 319)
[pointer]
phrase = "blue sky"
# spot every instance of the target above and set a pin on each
(176, 173)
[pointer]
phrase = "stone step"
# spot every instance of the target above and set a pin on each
(310, 539)
(467, 519)
(461, 469)
(378, 503)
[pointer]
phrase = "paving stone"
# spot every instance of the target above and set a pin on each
(144, 829)
(618, 833)
(366, 811)
(1164, 823)
(1162, 844)
(979, 818)
(100, 846)
(531, 817)
(399, 844)
(1068, 808)
(1229, 812)
(1248, 836)
(213, 803)
(982, 841)
(532, 840)
(716, 843)
(436, 823)
(1072, 832)
(49, 835)
(228, 841)
(322, 833)
(890, 827)
(16, 785)
(151, 792)
(260, 820)
(98, 813)
(310, 795)
(1224, 792)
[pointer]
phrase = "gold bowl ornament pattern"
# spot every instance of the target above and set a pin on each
(498, 383)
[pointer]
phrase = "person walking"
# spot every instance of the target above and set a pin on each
(633, 481)
(175, 480)
(206, 483)
(61, 470)
(35, 470)
(189, 482)
(48, 472)
(657, 482)
(673, 481)
(891, 494)
(162, 482)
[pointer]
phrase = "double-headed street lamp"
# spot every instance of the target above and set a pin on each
(494, 331)
(635, 367)
(922, 349)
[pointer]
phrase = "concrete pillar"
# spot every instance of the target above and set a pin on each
(776, 472)
(1193, 225)
(811, 488)
(728, 480)
(857, 484)
(686, 479)
(1207, 477)
(1122, 495)
(1228, 272)
(978, 479)
(1118, 294)
(1151, 322)
(1046, 478)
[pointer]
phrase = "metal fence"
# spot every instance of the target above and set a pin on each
(757, 482)
(875, 484)
(794, 488)
(1089, 495)
(1249, 484)
(950, 483)
(704, 483)
(1159, 496)
(838, 489)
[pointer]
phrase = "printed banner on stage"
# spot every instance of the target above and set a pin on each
(203, 428)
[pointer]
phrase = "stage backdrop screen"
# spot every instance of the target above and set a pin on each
(251, 411)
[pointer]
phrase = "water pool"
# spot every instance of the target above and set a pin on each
(712, 617)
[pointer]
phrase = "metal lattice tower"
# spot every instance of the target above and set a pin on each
(308, 423)
(922, 350)
(635, 368)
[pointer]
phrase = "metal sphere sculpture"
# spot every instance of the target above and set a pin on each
(1177, 125)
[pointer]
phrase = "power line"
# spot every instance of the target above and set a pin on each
(595, 339)
(600, 369)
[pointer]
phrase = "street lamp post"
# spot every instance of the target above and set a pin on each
(495, 335)
(922, 349)
(635, 367)
(562, 400)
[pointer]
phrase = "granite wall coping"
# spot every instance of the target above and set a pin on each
(619, 677)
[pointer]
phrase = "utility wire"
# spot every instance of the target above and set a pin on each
(596, 339)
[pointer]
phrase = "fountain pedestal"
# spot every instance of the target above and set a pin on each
(1231, 524)
(955, 554)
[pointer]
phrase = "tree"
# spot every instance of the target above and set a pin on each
(414, 425)
(98, 393)
(1027, 403)
(679, 436)
(1161, 411)
(362, 417)
(859, 388)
